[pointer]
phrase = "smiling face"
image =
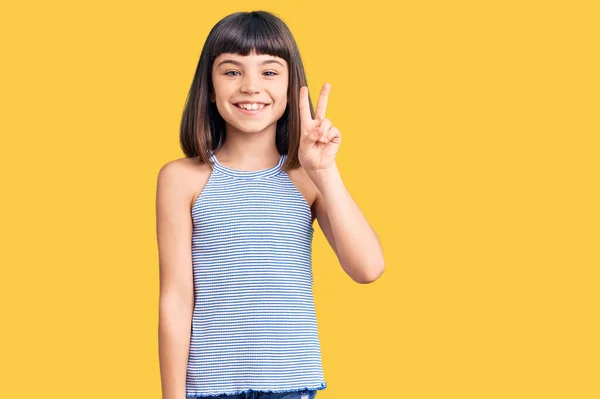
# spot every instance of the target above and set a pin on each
(259, 81)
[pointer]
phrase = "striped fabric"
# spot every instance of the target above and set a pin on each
(254, 324)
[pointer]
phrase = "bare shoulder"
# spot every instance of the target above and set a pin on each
(305, 185)
(174, 227)
(186, 175)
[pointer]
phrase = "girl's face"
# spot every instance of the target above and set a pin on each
(251, 79)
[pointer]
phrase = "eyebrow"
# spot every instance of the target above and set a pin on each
(240, 64)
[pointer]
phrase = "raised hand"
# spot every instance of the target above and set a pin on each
(320, 140)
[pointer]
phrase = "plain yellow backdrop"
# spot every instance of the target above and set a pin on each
(470, 142)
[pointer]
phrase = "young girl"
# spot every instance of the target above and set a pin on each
(234, 222)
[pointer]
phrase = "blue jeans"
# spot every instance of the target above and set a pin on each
(304, 394)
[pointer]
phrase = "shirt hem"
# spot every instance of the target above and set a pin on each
(322, 386)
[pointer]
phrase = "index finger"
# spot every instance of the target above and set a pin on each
(305, 115)
(322, 103)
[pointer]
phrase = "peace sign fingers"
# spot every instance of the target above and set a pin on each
(320, 140)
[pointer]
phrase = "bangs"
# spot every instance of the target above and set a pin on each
(245, 33)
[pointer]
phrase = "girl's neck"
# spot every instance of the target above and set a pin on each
(249, 151)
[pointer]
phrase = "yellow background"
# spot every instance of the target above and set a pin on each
(470, 142)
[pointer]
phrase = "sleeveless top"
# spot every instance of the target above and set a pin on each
(254, 325)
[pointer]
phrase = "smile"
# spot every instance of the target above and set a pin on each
(251, 109)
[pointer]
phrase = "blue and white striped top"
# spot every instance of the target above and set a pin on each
(254, 325)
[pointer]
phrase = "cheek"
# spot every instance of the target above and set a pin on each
(283, 99)
(220, 91)
(281, 107)
(222, 87)
(282, 94)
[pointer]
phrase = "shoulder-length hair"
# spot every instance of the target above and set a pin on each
(202, 127)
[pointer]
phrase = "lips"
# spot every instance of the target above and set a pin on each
(249, 103)
(252, 111)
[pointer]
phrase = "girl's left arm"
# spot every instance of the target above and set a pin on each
(353, 240)
(347, 230)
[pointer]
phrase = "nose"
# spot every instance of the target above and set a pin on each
(250, 84)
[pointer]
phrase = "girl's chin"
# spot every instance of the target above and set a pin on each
(250, 127)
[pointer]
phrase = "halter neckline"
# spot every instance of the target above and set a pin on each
(248, 174)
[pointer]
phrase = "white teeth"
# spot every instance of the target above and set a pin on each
(251, 106)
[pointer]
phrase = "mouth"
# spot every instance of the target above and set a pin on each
(250, 110)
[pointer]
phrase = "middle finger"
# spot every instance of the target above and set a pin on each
(322, 103)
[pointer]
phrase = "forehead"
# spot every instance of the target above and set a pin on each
(228, 59)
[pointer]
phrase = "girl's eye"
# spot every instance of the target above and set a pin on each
(229, 72)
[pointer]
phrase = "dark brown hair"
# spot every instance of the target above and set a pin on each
(202, 127)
